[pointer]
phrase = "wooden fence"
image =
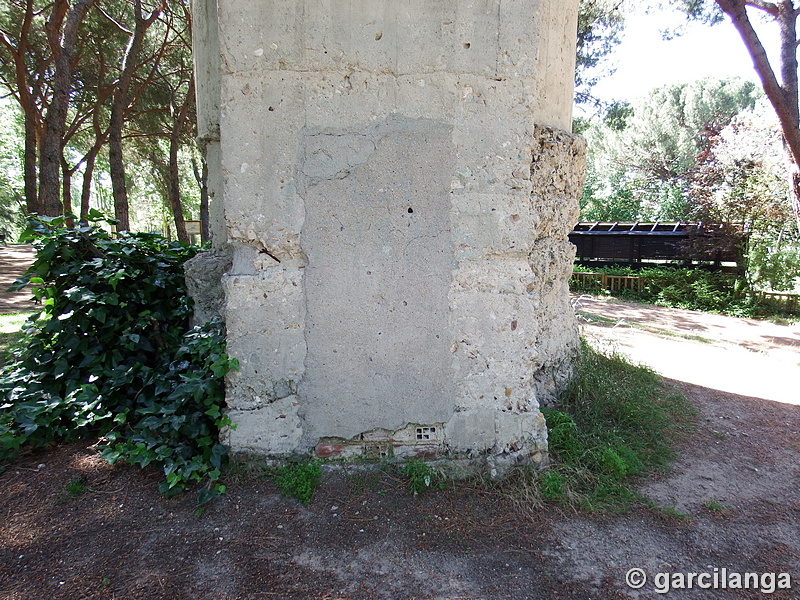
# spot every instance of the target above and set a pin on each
(601, 281)
(787, 302)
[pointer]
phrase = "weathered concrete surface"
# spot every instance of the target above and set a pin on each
(204, 273)
(377, 235)
(397, 196)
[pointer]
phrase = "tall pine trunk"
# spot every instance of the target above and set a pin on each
(86, 189)
(62, 32)
(178, 126)
(119, 108)
(29, 166)
(783, 96)
(66, 189)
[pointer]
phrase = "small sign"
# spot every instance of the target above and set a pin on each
(193, 227)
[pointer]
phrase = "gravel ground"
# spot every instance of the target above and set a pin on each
(730, 506)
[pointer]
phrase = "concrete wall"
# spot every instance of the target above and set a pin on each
(397, 194)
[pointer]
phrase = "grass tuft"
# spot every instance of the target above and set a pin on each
(76, 487)
(299, 478)
(716, 507)
(615, 421)
(421, 476)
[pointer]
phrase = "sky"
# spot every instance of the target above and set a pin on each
(645, 61)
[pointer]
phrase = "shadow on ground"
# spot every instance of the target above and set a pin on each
(729, 503)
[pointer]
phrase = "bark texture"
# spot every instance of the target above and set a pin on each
(62, 32)
(119, 108)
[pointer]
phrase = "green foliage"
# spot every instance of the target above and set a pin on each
(177, 418)
(773, 267)
(553, 485)
(11, 201)
(112, 356)
(691, 289)
(617, 115)
(694, 289)
(643, 155)
(741, 178)
(705, 11)
(420, 476)
(600, 23)
(298, 479)
(615, 420)
(76, 487)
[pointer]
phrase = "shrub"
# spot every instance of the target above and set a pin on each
(692, 289)
(110, 355)
(772, 266)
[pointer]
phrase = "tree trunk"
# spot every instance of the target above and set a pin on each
(66, 189)
(119, 108)
(90, 159)
(201, 175)
(787, 16)
(29, 166)
(784, 98)
(116, 164)
(86, 189)
(161, 175)
(62, 32)
(794, 189)
(178, 125)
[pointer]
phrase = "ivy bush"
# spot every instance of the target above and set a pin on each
(111, 355)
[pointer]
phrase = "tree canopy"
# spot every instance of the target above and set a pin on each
(779, 79)
(600, 23)
(643, 154)
(101, 85)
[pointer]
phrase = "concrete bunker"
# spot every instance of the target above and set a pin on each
(393, 185)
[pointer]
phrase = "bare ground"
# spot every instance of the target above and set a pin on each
(14, 261)
(731, 504)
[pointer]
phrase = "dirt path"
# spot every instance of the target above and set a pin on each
(731, 507)
(739, 474)
(14, 261)
(741, 356)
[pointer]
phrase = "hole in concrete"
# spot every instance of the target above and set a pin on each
(426, 433)
(466, 45)
(376, 451)
(410, 210)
